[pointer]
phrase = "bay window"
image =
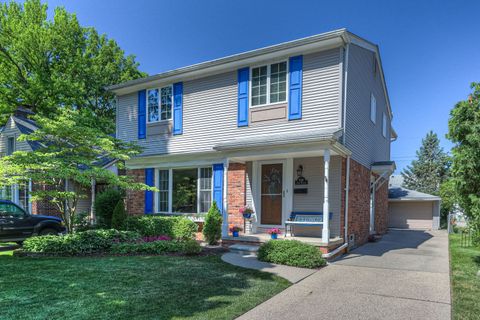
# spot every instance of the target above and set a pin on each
(269, 84)
(159, 104)
(185, 190)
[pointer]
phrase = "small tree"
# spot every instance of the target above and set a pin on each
(119, 216)
(212, 228)
(69, 149)
(104, 204)
(430, 169)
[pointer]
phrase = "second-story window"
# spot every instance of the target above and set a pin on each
(159, 104)
(269, 84)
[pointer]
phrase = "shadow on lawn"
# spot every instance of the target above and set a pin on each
(141, 287)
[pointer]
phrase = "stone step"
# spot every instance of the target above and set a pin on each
(243, 249)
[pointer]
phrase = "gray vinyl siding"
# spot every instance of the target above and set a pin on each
(363, 137)
(11, 130)
(210, 109)
(313, 171)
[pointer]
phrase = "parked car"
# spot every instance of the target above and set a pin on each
(16, 224)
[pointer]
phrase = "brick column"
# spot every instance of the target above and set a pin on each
(136, 198)
(381, 209)
(236, 181)
(359, 202)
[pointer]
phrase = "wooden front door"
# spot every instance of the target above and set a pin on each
(271, 194)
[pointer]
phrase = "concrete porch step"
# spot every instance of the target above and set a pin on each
(244, 249)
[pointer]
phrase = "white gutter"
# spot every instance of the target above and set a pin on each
(347, 188)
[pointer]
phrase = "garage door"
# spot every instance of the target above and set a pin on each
(410, 215)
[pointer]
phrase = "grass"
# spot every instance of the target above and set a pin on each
(465, 263)
(136, 287)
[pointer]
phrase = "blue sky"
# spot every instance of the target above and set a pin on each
(430, 49)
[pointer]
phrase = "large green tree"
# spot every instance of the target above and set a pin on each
(430, 169)
(464, 132)
(68, 157)
(46, 64)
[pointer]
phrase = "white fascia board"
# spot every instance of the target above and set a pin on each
(414, 199)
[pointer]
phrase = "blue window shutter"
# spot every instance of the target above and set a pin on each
(142, 114)
(149, 181)
(178, 108)
(242, 114)
(218, 185)
(295, 88)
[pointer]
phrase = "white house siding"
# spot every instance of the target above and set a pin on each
(210, 109)
(363, 137)
(11, 130)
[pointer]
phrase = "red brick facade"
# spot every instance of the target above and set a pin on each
(381, 209)
(136, 198)
(236, 182)
(359, 203)
(43, 207)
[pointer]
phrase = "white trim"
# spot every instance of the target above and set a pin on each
(170, 188)
(384, 125)
(156, 182)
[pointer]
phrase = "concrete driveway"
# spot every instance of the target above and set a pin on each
(403, 276)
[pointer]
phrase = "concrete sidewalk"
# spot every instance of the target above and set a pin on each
(403, 276)
(292, 274)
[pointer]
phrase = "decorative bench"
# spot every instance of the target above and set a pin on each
(304, 219)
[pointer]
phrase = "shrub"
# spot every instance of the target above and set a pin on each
(119, 216)
(189, 247)
(291, 253)
(91, 241)
(212, 229)
(174, 227)
(104, 204)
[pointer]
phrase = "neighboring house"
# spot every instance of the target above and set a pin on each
(303, 126)
(410, 209)
(17, 124)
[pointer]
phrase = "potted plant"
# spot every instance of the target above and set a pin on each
(274, 232)
(246, 212)
(235, 230)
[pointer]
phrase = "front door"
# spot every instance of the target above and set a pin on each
(271, 193)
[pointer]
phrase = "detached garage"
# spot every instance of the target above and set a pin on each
(408, 209)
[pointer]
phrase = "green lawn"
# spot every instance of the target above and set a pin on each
(141, 287)
(465, 263)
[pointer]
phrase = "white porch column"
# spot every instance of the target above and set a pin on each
(326, 192)
(92, 203)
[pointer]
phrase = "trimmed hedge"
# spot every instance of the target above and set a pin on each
(174, 227)
(291, 253)
(189, 247)
(80, 243)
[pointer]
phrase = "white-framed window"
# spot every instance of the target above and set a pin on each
(10, 145)
(159, 104)
(184, 190)
(269, 84)
(373, 108)
(384, 125)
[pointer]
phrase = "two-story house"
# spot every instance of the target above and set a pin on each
(302, 126)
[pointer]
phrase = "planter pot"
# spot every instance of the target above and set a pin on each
(247, 215)
(235, 233)
(274, 236)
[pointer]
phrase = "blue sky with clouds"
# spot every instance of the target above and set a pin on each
(430, 49)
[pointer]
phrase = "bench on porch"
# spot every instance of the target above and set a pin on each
(304, 219)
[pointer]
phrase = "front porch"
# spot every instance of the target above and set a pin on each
(277, 185)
